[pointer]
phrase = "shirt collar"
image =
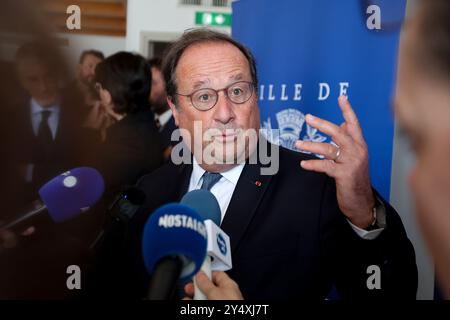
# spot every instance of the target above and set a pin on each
(232, 175)
(164, 117)
(37, 108)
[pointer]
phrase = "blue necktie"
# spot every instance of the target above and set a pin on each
(210, 179)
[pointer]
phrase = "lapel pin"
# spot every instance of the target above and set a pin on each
(258, 183)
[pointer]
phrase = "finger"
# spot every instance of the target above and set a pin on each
(203, 283)
(221, 279)
(327, 127)
(29, 231)
(189, 289)
(347, 110)
(350, 117)
(327, 150)
(324, 166)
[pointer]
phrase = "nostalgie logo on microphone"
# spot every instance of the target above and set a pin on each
(182, 221)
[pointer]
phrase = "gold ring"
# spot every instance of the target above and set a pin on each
(338, 153)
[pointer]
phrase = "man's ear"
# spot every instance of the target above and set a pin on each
(174, 109)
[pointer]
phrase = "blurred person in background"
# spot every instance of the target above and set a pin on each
(89, 60)
(132, 146)
(422, 107)
(33, 262)
(83, 96)
(48, 131)
(158, 101)
(49, 135)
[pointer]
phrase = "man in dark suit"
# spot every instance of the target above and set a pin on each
(45, 142)
(49, 138)
(158, 101)
(306, 226)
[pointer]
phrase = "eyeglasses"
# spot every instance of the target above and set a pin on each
(205, 99)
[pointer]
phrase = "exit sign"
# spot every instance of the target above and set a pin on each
(213, 19)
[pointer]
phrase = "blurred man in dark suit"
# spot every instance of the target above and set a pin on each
(39, 135)
(50, 137)
(158, 101)
(81, 94)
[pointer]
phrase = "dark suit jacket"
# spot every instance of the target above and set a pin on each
(288, 237)
(36, 268)
(132, 149)
(166, 133)
(65, 152)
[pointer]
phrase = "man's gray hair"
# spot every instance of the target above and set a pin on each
(196, 36)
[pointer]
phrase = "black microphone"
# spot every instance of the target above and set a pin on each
(120, 211)
(32, 214)
(164, 278)
(126, 204)
(61, 199)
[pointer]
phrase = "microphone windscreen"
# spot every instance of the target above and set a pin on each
(205, 203)
(72, 192)
(175, 230)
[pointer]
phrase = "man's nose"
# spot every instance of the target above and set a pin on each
(43, 85)
(223, 110)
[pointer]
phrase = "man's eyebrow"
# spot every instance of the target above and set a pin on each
(199, 83)
(238, 76)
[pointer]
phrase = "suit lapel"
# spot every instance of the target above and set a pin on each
(184, 172)
(246, 197)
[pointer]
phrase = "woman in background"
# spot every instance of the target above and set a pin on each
(131, 146)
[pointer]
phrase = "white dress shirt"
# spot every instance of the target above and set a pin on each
(164, 117)
(36, 117)
(224, 188)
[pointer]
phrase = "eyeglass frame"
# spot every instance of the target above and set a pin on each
(251, 86)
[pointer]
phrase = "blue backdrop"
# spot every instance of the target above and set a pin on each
(308, 51)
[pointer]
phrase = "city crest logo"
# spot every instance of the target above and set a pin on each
(291, 127)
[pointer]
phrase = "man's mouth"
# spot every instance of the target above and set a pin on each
(226, 136)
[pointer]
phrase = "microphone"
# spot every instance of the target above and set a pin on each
(128, 202)
(173, 248)
(62, 198)
(121, 211)
(218, 247)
